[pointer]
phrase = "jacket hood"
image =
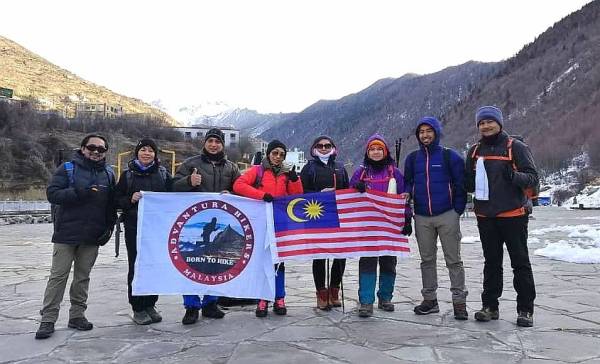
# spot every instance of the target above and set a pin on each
(312, 146)
(388, 159)
(435, 124)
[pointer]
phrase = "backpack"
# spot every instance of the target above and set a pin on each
(531, 192)
(390, 170)
(259, 175)
(70, 169)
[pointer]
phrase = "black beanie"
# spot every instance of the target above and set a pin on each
(146, 142)
(215, 133)
(276, 144)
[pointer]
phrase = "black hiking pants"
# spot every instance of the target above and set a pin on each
(494, 233)
(138, 303)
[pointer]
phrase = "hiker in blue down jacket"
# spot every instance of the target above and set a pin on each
(434, 177)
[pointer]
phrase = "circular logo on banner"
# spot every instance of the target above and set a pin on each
(211, 242)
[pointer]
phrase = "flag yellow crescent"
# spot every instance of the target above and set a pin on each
(290, 210)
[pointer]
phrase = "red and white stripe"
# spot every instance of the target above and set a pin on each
(370, 225)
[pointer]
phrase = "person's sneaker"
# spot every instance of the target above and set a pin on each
(460, 311)
(80, 323)
(154, 315)
(365, 310)
(426, 307)
(190, 317)
(279, 307)
(211, 310)
(525, 319)
(486, 314)
(323, 299)
(45, 330)
(141, 318)
(334, 297)
(386, 306)
(262, 308)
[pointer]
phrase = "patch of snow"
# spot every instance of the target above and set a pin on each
(571, 252)
(583, 245)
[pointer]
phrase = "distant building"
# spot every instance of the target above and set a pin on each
(90, 110)
(232, 135)
(258, 145)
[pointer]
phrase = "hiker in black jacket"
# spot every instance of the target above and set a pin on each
(143, 173)
(499, 169)
(81, 191)
(321, 174)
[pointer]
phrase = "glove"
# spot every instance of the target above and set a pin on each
(509, 173)
(361, 187)
(407, 229)
(292, 175)
(268, 197)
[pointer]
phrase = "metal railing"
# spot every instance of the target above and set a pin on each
(24, 206)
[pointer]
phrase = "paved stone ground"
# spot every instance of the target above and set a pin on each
(567, 318)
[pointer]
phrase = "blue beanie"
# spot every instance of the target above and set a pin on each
(489, 112)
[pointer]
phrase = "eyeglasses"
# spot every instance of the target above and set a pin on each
(275, 153)
(96, 148)
(323, 146)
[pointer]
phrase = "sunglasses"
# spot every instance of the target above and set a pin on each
(277, 154)
(96, 148)
(323, 146)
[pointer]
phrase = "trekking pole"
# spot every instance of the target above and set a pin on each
(327, 282)
(342, 289)
(398, 150)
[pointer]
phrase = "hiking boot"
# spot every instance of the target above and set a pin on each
(334, 297)
(365, 310)
(190, 317)
(525, 319)
(141, 318)
(262, 308)
(80, 323)
(45, 330)
(322, 299)
(460, 311)
(486, 314)
(154, 315)
(426, 307)
(386, 306)
(279, 307)
(213, 311)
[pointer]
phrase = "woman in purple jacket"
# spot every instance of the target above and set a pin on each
(375, 173)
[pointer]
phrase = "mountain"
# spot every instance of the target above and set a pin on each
(250, 122)
(389, 107)
(228, 243)
(549, 93)
(34, 78)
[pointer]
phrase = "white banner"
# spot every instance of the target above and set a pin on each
(204, 243)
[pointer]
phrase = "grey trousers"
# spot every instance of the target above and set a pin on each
(427, 230)
(82, 257)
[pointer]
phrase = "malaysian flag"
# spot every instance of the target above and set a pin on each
(340, 224)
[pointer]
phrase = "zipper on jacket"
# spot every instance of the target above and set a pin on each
(427, 174)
